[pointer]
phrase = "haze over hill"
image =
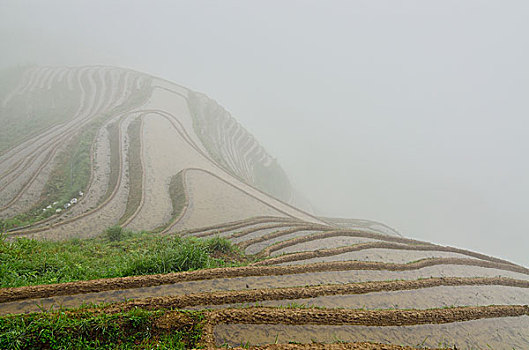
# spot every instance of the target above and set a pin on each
(86, 148)
(283, 173)
(411, 113)
(90, 147)
(98, 159)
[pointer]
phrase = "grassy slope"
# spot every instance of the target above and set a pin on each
(119, 253)
(30, 262)
(84, 329)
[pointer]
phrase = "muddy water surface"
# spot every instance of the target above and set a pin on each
(384, 255)
(258, 233)
(426, 298)
(495, 333)
(237, 230)
(257, 247)
(325, 243)
(254, 282)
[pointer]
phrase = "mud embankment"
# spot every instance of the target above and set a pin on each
(80, 287)
(338, 346)
(258, 295)
(364, 317)
(411, 242)
(309, 320)
(234, 225)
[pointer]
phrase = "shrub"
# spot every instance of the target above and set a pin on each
(114, 233)
(219, 244)
(182, 256)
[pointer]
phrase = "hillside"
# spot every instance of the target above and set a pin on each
(117, 142)
(83, 149)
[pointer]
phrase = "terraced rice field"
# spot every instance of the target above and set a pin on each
(446, 296)
(170, 143)
(170, 160)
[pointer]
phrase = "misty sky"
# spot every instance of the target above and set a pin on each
(413, 113)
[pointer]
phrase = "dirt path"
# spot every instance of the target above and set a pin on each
(242, 230)
(254, 248)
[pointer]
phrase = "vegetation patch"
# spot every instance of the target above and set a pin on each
(178, 199)
(94, 329)
(118, 253)
(135, 170)
(177, 193)
(115, 168)
(72, 173)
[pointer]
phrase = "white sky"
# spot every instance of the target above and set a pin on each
(413, 113)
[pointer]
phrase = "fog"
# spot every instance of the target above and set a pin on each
(413, 113)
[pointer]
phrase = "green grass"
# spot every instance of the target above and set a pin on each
(84, 329)
(26, 262)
